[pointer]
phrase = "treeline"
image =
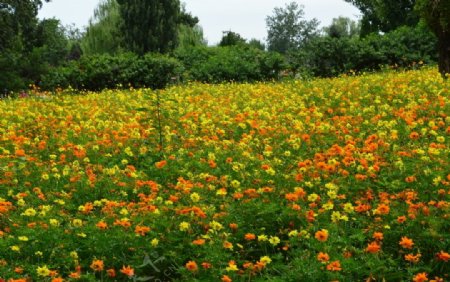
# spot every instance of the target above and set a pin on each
(155, 43)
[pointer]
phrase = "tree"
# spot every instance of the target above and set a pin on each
(149, 26)
(103, 33)
(189, 32)
(342, 27)
(385, 15)
(231, 38)
(287, 28)
(436, 14)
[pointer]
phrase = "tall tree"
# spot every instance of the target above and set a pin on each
(385, 15)
(287, 28)
(149, 26)
(103, 33)
(436, 14)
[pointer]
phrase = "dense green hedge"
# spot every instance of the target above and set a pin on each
(230, 63)
(107, 71)
(327, 56)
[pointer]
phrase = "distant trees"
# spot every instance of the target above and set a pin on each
(231, 38)
(287, 28)
(343, 27)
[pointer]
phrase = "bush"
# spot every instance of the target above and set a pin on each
(105, 71)
(327, 56)
(230, 63)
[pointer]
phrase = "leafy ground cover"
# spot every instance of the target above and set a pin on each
(341, 179)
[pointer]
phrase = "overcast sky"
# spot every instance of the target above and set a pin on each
(246, 17)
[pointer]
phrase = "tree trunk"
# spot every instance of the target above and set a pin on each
(444, 53)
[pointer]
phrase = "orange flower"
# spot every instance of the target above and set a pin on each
(161, 164)
(226, 278)
(323, 257)
(321, 235)
(413, 258)
(334, 266)
(111, 272)
(383, 209)
(97, 265)
(127, 270)
(57, 279)
(373, 247)
(378, 236)
(198, 242)
(414, 135)
(420, 277)
(206, 265)
(401, 219)
(102, 225)
(443, 256)
(20, 153)
(410, 179)
(141, 230)
(250, 236)
(406, 243)
(191, 266)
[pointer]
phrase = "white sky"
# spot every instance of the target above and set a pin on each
(246, 17)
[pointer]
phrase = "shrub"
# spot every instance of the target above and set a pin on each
(106, 71)
(230, 63)
(328, 56)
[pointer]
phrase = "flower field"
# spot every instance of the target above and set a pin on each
(343, 179)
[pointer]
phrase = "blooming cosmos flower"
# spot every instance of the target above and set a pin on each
(97, 265)
(127, 270)
(321, 235)
(373, 247)
(191, 266)
(406, 242)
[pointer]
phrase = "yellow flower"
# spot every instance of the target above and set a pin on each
(15, 248)
(184, 226)
(274, 240)
(262, 238)
(77, 222)
(195, 197)
(29, 212)
(23, 238)
(43, 271)
(265, 260)
(154, 242)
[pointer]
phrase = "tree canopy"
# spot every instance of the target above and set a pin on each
(287, 28)
(385, 15)
(149, 26)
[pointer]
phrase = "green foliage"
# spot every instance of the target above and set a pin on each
(342, 27)
(385, 15)
(287, 30)
(190, 36)
(103, 33)
(329, 56)
(231, 63)
(106, 71)
(231, 38)
(149, 26)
